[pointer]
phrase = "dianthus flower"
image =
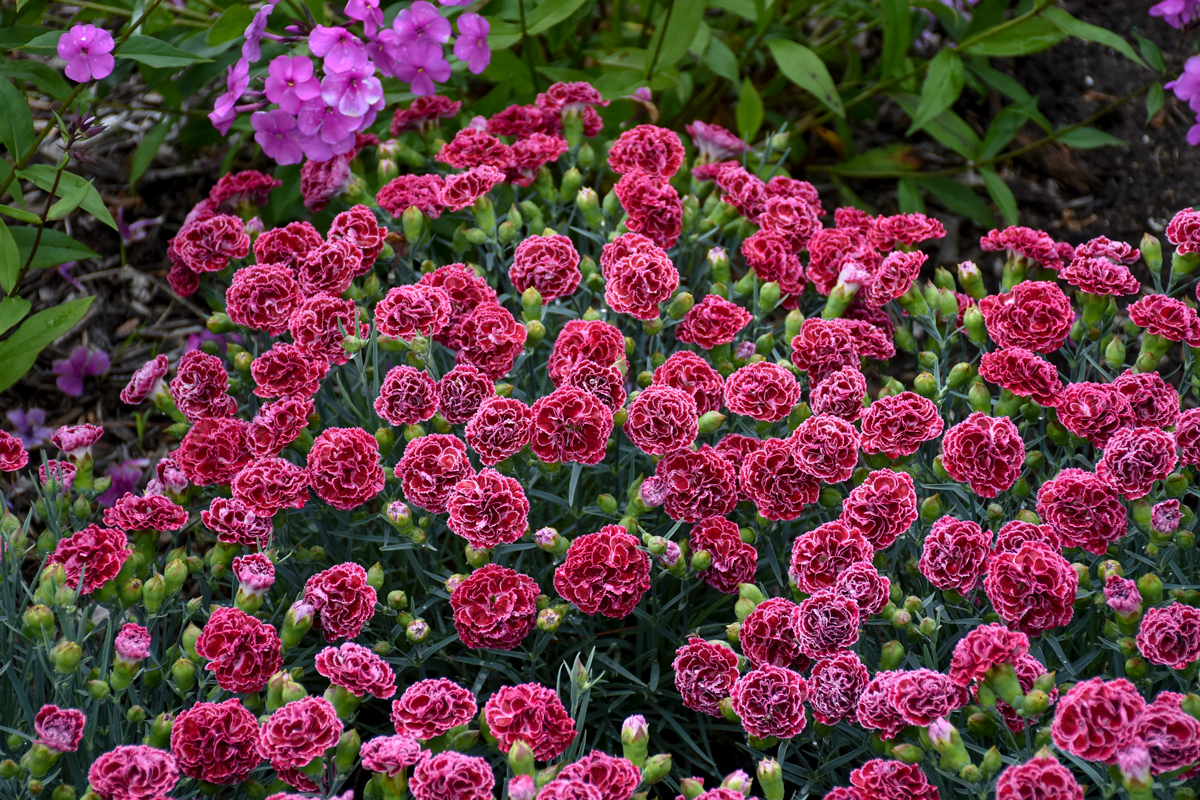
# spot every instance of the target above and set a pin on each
(897, 425)
(954, 554)
(471, 148)
(1170, 636)
(133, 772)
(828, 623)
(604, 573)
(1083, 510)
(467, 292)
(1094, 411)
(216, 742)
(209, 245)
(549, 264)
(1100, 276)
(792, 219)
(235, 524)
(882, 507)
(317, 324)
(146, 381)
(357, 669)
(1023, 373)
(886, 233)
(1092, 718)
(488, 509)
(1187, 436)
(711, 322)
(570, 425)
(733, 561)
(921, 696)
(585, 340)
(863, 584)
(430, 468)
(606, 384)
(654, 209)
(1166, 317)
(1032, 589)
(770, 702)
(464, 188)
(342, 600)
(613, 778)
(1154, 401)
(531, 713)
(270, 484)
(430, 707)
(983, 648)
(495, 608)
(1122, 595)
(77, 440)
(985, 452)
(772, 260)
(390, 755)
(699, 484)
(262, 297)
(499, 429)
(637, 283)
(1035, 315)
(358, 225)
(150, 513)
(59, 729)
(875, 710)
(1134, 458)
(894, 780)
(407, 311)
(834, 686)
(287, 371)
(763, 391)
(343, 467)
(132, 643)
(1171, 735)
(460, 393)
(491, 340)
(840, 394)
(406, 396)
(530, 154)
(422, 192)
(661, 420)
(285, 244)
(1024, 243)
(329, 268)
(201, 387)
(690, 373)
(242, 652)
(821, 554)
(770, 634)
(298, 732)
(93, 554)
(825, 447)
(277, 424)
(647, 149)
(452, 776)
(775, 481)
(705, 673)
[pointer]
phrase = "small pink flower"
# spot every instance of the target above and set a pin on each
(88, 53)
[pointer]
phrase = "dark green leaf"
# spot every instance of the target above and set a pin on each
(1091, 33)
(948, 128)
(1002, 130)
(44, 77)
(19, 351)
(1010, 88)
(678, 33)
(502, 35)
(743, 8)
(721, 60)
(1155, 100)
(10, 260)
(959, 199)
(231, 24)
(20, 215)
(43, 176)
(19, 35)
(16, 126)
(1031, 36)
(1001, 195)
(552, 12)
(69, 202)
(882, 159)
(805, 69)
(943, 84)
(749, 111)
(54, 248)
(1088, 138)
(909, 197)
(984, 15)
(897, 35)
(44, 45)
(157, 53)
(1150, 52)
(12, 311)
(143, 156)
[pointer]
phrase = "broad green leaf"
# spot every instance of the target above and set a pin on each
(564, 74)
(43, 176)
(231, 24)
(700, 40)
(12, 311)
(10, 260)
(1031, 36)
(69, 202)
(986, 14)
(805, 69)
(1091, 33)
(749, 111)
(948, 128)
(881, 159)
(44, 45)
(1088, 138)
(614, 85)
(897, 35)
(44, 77)
(502, 35)
(1155, 100)
(1002, 130)
(1010, 88)
(624, 57)
(959, 199)
(909, 197)
(743, 8)
(1150, 52)
(143, 156)
(157, 53)
(721, 60)
(16, 124)
(943, 85)
(678, 32)
(19, 35)
(1001, 195)
(552, 12)
(19, 351)
(20, 215)
(948, 17)
(54, 248)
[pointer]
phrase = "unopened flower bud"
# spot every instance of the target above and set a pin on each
(66, 656)
(417, 631)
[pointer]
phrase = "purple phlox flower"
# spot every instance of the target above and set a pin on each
(471, 46)
(641, 94)
(290, 82)
(30, 427)
(125, 476)
(196, 339)
(64, 272)
(251, 48)
(421, 64)
(277, 134)
(421, 23)
(1187, 85)
(237, 80)
(88, 53)
(341, 49)
(326, 123)
(136, 231)
(367, 12)
(352, 92)
(1177, 13)
(82, 363)
(456, 2)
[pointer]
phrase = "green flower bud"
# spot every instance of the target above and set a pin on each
(219, 322)
(926, 385)
(1175, 484)
(1151, 249)
(1114, 354)
(417, 631)
(932, 508)
(711, 421)
(520, 758)
(66, 656)
(477, 558)
(154, 592)
(38, 621)
(414, 224)
(975, 326)
(657, 767)
(904, 341)
(908, 753)
(769, 295)
(682, 304)
(535, 331)
(770, 779)
(136, 715)
(99, 690)
(183, 673)
(980, 398)
(607, 503)
(63, 792)
(891, 655)
(160, 731)
(347, 750)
